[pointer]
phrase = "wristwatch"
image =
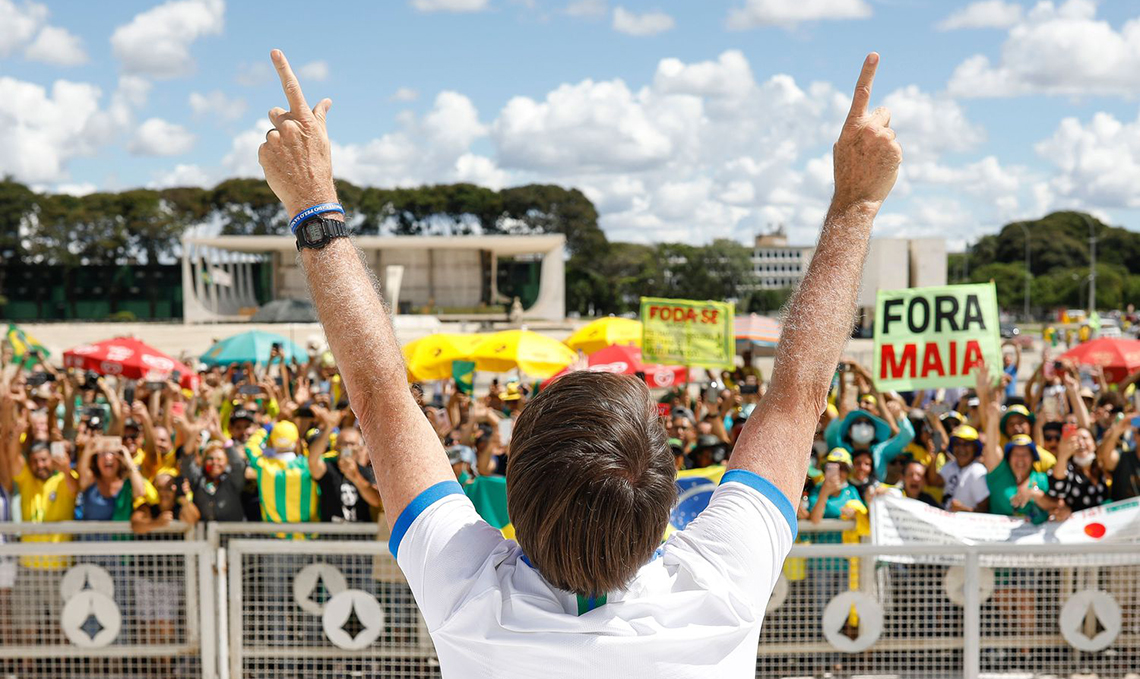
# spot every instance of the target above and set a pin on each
(319, 232)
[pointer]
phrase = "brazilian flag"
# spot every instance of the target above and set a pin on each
(23, 343)
(463, 372)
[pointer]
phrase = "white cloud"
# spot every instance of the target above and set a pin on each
(1097, 163)
(789, 13)
(929, 125)
(404, 94)
(157, 137)
(314, 70)
(56, 46)
(217, 105)
(157, 42)
(253, 74)
(449, 5)
(589, 9)
(647, 23)
(20, 23)
(985, 14)
(80, 189)
(1057, 49)
(41, 131)
(182, 175)
(241, 161)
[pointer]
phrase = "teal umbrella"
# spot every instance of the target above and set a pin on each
(251, 347)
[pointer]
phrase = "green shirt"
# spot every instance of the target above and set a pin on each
(286, 488)
(836, 501)
(1003, 486)
(489, 495)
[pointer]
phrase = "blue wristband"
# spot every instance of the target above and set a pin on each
(313, 212)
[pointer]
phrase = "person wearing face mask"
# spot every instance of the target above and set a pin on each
(287, 492)
(860, 430)
(1078, 480)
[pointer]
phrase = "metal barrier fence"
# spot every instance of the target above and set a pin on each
(91, 599)
(236, 602)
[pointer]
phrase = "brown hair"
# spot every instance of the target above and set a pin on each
(590, 481)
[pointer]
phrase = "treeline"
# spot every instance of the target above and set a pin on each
(1058, 263)
(144, 225)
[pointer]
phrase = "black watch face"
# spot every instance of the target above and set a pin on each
(313, 232)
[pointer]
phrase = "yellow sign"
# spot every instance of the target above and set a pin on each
(687, 332)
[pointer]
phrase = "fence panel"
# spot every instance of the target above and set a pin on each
(303, 607)
(106, 607)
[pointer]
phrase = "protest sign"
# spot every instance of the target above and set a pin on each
(934, 337)
(898, 521)
(687, 332)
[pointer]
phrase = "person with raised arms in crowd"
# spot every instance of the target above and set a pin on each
(590, 477)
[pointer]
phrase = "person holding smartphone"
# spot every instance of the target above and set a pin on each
(1077, 481)
(1119, 456)
(834, 497)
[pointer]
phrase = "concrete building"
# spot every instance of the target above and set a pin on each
(444, 272)
(896, 263)
(775, 264)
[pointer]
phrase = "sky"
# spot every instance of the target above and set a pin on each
(681, 120)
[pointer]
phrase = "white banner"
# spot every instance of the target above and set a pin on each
(897, 521)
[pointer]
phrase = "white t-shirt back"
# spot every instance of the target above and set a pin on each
(693, 611)
(967, 486)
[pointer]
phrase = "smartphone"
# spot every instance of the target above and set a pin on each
(129, 394)
(277, 380)
(276, 346)
(831, 472)
(1068, 430)
(176, 377)
(154, 386)
(177, 409)
(1058, 365)
(664, 409)
(58, 449)
(112, 443)
(249, 389)
(750, 389)
(325, 387)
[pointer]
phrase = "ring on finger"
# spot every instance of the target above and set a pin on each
(269, 132)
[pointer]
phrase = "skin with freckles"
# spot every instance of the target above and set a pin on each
(821, 314)
(406, 453)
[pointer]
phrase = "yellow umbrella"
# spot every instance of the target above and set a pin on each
(533, 354)
(606, 332)
(429, 358)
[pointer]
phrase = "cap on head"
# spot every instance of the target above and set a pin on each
(513, 392)
(1022, 441)
(284, 436)
(840, 455)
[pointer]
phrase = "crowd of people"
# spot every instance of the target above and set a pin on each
(278, 442)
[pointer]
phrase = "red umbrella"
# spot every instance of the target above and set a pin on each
(1118, 357)
(626, 360)
(127, 357)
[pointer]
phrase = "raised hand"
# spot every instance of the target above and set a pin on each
(296, 155)
(867, 157)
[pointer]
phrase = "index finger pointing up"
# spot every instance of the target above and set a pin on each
(293, 94)
(862, 88)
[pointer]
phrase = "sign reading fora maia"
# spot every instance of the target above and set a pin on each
(935, 337)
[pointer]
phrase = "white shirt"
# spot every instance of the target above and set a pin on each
(693, 611)
(967, 486)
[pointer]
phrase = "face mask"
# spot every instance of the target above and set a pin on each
(1085, 460)
(862, 433)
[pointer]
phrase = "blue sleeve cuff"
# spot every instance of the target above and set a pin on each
(765, 488)
(425, 499)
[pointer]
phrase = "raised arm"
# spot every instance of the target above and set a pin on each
(775, 444)
(406, 453)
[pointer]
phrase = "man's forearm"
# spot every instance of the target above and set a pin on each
(368, 356)
(820, 317)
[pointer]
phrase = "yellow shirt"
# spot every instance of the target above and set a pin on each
(45, 502)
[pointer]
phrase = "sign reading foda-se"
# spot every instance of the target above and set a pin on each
(687, 332)
(936, 337)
